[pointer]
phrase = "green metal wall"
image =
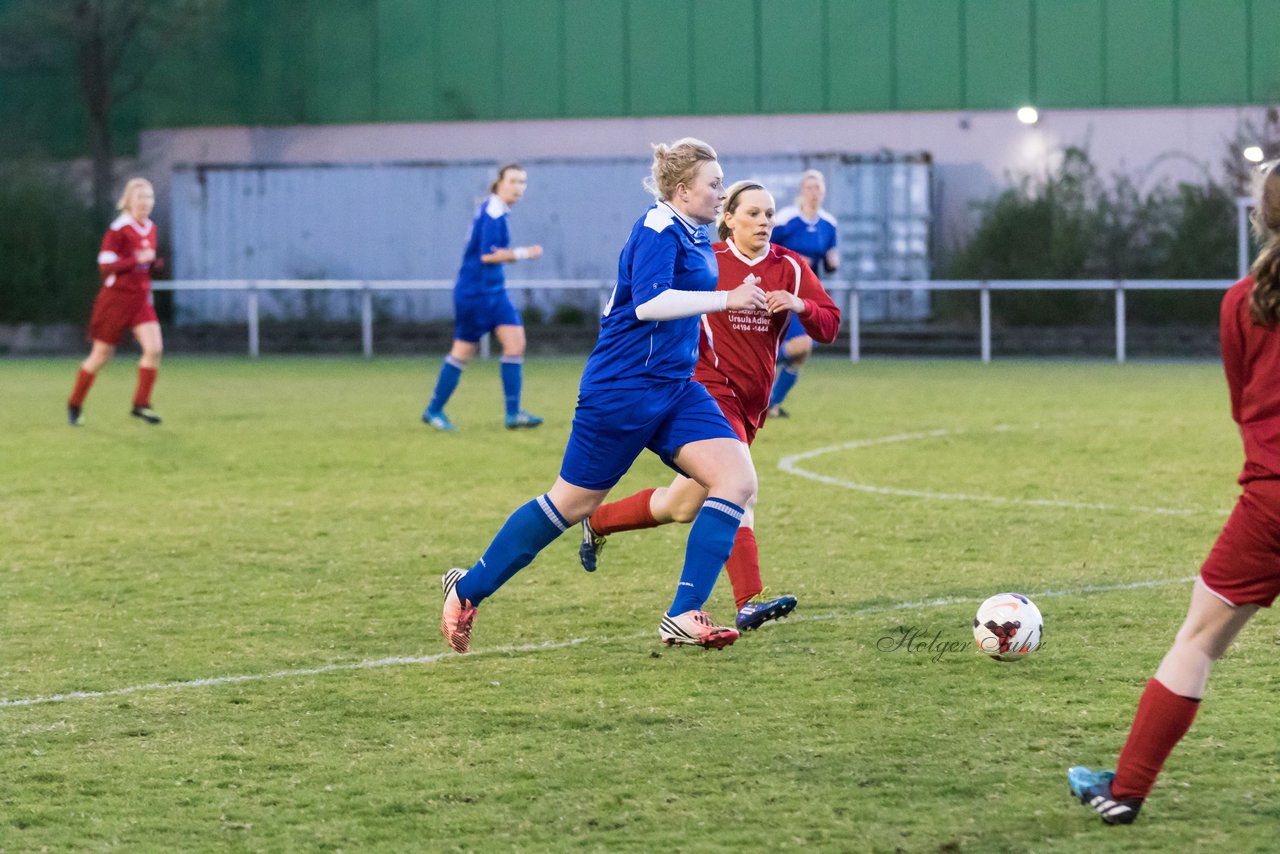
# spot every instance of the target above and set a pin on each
(322, 61)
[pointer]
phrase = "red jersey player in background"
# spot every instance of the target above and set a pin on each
(736, 362)
(124, 302)
(1242, 572)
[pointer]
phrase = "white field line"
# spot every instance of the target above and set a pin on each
(789, 464)
(399, 661)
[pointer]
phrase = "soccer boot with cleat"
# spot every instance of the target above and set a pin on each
(74, 416)
(458, 616)
(776, 411)
(438, 420)
(146, 413)
(763, 607)
(1093, 788)
(521, 420)
(695, 628)
(592, 545)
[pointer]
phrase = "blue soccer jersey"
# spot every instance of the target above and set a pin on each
(810, 238)
(665, 251)
(489, 232)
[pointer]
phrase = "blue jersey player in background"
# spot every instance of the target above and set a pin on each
(807, 229)
(481, 304)
(637, 392)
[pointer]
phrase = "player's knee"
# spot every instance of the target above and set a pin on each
(686, 512)
(1203, 639)
(739, 487)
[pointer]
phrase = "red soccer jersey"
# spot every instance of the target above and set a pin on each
(1251, 358)
(738, 349)
(117, 258)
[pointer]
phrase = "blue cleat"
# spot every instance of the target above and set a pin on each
(761, 609)
(1093, 788)
(522, 419)
(438, 420)
(592, 545)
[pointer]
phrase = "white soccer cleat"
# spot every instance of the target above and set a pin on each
(695, 628)
(458, 616)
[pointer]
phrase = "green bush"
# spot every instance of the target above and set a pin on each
(1071, 224)
(49, 243)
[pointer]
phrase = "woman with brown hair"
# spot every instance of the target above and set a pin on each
(1242, 572)
(481, 304)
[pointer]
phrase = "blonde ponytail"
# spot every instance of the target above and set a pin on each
(676, 164)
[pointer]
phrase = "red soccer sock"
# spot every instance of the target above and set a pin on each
(743, 566)
(84, 380)
(146, 379)
(626, 514)
(1162, 720)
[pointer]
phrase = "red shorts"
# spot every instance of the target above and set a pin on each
(116, 312)
(732, 409)
(1243, 567)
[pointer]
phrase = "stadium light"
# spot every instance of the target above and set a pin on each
(1028, 115)
(1253, 154)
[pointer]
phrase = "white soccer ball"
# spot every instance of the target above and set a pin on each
(1008, 627)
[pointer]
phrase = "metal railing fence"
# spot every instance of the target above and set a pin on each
(849, 292)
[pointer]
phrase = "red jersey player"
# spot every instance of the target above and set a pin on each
(736, 363)
(1242, 572)
(124, 303)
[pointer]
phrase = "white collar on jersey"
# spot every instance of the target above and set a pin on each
(750, 262)
(496, 207)
(124, 219)
(689, 226)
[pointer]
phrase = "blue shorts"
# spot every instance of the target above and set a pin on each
(474, 316)
(612, 426)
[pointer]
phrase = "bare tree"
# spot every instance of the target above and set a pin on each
(109, 46)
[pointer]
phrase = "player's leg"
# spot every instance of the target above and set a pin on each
(1166, 710)
(530, 529)
(151, 341)
(723, 467)
(1237, 578)
(598, 454)
(511, 337)
(796, 349)
(463, 350)
(99, 354)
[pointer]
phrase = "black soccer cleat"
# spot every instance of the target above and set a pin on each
(762, 608)
(1093, 788)
(592, 545)
(146, 413)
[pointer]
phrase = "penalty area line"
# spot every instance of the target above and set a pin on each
(399, 661)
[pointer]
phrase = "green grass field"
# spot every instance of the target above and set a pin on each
(293, 515)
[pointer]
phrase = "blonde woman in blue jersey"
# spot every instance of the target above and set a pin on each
(481, 304)
(637, 392)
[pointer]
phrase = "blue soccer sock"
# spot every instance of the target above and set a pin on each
(526, 532)
(782, 384)
(710, 541)
(512, 380)
(450, 373)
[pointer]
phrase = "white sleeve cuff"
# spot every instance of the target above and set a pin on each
(672, 304)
